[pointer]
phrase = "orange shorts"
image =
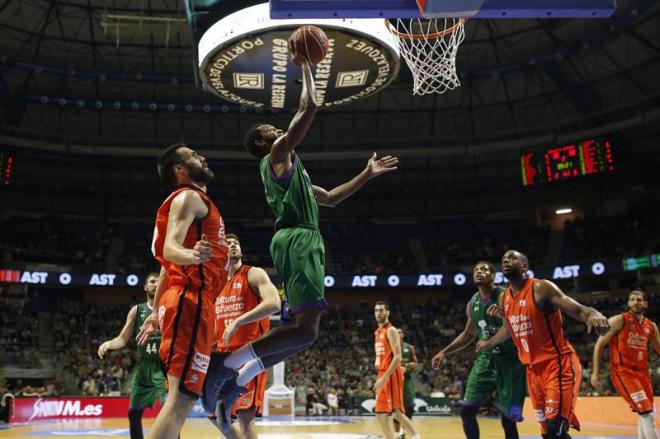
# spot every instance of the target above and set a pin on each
(390, 396)
(553, 387)
(255, 397)
(635, 387)
(187, 324)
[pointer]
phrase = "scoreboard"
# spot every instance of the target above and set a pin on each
(567, 162)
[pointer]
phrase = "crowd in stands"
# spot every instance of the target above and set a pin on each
(19, 333)
(351, 246)
(79, 330)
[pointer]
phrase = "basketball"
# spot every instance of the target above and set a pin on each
(312, 43)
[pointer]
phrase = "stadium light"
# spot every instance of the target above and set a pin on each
(564, 211)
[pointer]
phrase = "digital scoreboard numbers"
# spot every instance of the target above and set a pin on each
(567, 162)
(6, 163)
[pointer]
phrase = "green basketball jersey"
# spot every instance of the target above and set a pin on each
(407, 357)
(293, 202)
(488, 325)
(149, 351)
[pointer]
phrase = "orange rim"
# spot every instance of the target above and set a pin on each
(433, 35)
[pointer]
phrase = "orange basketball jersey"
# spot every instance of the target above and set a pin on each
(211, 276)
(539, 336)
(384, 354)
(629, 348)
(235, 299)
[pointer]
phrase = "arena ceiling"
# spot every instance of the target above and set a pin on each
(117, 77)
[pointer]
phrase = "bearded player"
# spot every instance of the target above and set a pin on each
(532, 310)
(148, 383)
(242, 311)
(389, 385)
(189, 242)
(297, 247)
(495, 371)
(629, 336)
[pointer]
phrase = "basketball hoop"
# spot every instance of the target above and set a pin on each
(429, 47)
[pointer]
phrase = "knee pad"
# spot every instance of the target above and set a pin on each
(557, 428)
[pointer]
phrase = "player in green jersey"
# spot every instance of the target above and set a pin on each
(297, 247)
(495, 371)
(148, 379)
(409, 365)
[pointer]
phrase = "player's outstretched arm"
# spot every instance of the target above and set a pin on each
(395, 343)
(547, 292)
(303, 119)
(185, 208)
(122, 339)
(374, 168)
(462, 340)
(616, 323)
(261, 284)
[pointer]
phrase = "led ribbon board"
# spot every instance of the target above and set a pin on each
(243, 58)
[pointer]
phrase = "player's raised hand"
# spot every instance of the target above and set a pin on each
(377, 166)
(103, 349)
(437, 360)
(147, 329)
(597, 322)
(202, 251)
(295, 54)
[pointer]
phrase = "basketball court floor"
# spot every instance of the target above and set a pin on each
(302, 428)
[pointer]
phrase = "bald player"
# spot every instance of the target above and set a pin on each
(629, 337)
(532, 310)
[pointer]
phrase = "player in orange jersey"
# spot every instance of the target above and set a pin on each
(189, 242)
(532, 311)
(389, 385)
(242, 311)
(629, 336)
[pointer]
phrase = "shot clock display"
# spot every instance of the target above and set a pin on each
(566, 162)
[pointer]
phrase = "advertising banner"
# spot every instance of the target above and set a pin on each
(35, 409)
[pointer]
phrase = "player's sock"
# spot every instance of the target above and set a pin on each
(469, 418)
(510, 428)
(240, 356)
(648, 426)
(135, 423)
(250, 370)
(640, 431)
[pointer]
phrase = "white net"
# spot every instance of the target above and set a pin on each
(429, 47)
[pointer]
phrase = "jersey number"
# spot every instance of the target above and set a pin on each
(151, 348)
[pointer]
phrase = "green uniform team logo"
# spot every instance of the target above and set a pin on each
(148, 379)
(496, 371)
(297, 247)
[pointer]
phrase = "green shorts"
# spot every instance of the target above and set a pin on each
(148, 385)
(504, 376)
(299, 258)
